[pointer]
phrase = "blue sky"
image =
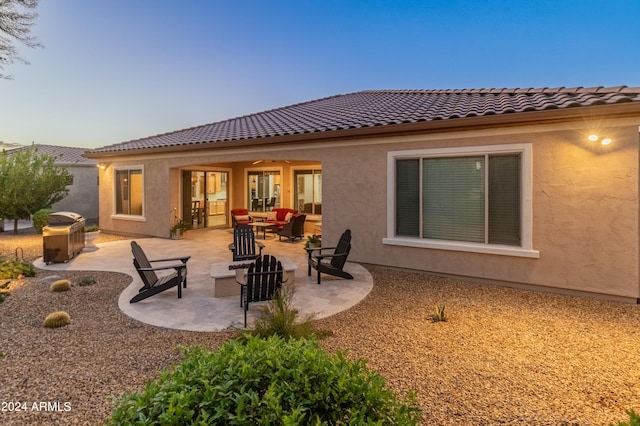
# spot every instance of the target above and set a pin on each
(117, 70)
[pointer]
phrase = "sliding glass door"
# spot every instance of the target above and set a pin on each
(205, 198)
(263, 190)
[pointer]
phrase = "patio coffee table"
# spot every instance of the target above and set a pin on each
(264, 226)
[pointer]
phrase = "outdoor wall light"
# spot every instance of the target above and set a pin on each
(102, 166)
(593, 138)
(606, 141)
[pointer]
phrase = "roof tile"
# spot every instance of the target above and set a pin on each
(63, 154)
(371, 108)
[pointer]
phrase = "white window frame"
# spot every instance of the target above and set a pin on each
(131, 217)
(526, 191)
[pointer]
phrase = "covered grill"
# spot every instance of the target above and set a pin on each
(63, 237)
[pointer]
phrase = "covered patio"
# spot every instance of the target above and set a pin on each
(198, 309)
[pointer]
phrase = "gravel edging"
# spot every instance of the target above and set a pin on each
(504, 356)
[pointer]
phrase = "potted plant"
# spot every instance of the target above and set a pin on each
(313, 241)
(179, 229)
(90, 235)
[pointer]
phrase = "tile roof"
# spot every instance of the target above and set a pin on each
(371, 108)
(65, 155)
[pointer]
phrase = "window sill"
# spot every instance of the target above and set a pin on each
(129, 217)
(496, 249)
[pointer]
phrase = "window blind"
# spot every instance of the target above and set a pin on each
(454, 198)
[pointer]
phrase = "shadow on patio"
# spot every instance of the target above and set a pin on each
(199, 310)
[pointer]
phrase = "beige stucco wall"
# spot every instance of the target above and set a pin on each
(83, 194)
(585, 203)
(585, 212)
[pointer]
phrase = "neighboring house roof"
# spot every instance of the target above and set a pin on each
(379, 109)
(65, 155)
(7, 146)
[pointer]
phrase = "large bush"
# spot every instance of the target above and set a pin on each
(265, 382)
(40, 219)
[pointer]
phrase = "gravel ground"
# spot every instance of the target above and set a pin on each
(504, 356)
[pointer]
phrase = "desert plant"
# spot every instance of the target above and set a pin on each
(13, 269)
(313, 241)
(266, 381)
(4, 291)
(91, 228)
(40, 219)
(281, 319)
(634, 419)
(180, 226)
(57, 319)
(440, 314)
(85, 281)
(61, 285)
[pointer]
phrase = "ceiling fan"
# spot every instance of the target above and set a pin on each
(266, 161)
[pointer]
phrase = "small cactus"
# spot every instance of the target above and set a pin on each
(440, 314)
(57, 319)
(61, 285)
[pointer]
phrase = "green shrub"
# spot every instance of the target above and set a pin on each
(57, 319)
(61, 285)
(40, 219)
(634, 419)
(265, 381)
(279, 318)
(4, 291)
(91, 228)
(12, 269)
(88, 280)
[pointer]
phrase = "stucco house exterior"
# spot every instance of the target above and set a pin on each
(83, 189)
(536, 188)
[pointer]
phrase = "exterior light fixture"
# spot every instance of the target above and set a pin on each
(593, 138)
(606, 141)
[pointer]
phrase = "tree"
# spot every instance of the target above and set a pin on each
(29, 181)
(16, 20)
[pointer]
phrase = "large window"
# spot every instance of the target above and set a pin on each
(129, 192)
(308, 191)
(472, 199)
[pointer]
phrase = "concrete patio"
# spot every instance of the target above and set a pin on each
(198, 309)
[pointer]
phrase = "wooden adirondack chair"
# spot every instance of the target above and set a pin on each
(244, 245)
(152, 283)
(264, 278)
(338, 257)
